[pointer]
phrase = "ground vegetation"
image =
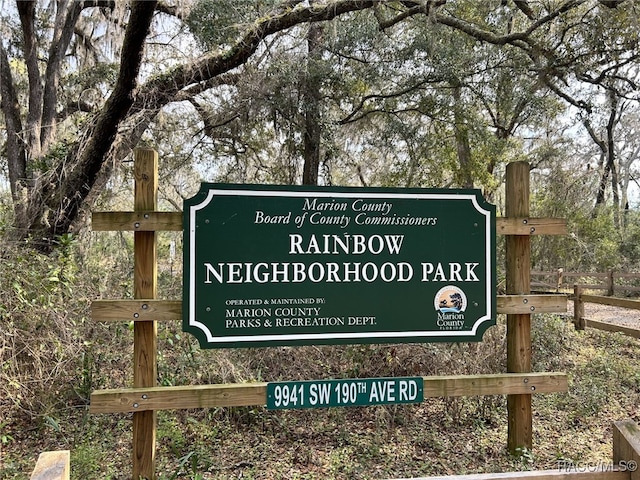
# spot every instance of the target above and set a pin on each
(338, 92)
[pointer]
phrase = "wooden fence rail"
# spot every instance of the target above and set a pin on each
(123, 400)
(580, 321)
(611, 281)
(624, 464)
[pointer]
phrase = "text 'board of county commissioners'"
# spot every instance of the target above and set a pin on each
(270, 265)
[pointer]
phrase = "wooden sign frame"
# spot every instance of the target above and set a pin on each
(145, 398)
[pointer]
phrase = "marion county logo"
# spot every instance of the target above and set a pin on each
(450, 302)
(450, 299)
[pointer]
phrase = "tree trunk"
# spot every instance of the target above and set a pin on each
(611, 156)
(16, 154)
(58, 194)
(462, 138)
(48, 201)
(311, 105)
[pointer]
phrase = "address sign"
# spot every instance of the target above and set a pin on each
(274, 265)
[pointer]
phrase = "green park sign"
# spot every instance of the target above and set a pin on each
(276, 265)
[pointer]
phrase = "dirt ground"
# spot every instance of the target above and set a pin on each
(605, 313)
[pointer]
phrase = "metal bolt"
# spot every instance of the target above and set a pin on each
(208, 309)
(146, 215)
(533, 388)
(532, 308)
(526, 380)
(525, 300)
(144, 397)
(525, 221)
(135, 405)
(136, 225)
(145, 306)
(206, 220)
(136, 315)
(475, 224)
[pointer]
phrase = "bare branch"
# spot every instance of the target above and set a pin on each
(63, 32)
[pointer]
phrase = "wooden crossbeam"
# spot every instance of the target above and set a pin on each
(531, 226)
(172, 221)
(136, 310)
(610, 327)
(163, 310)
(626, 446)
(136, 221)
(251, 394)
(520, 304)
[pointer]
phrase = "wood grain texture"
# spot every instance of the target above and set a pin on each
(518, 282)
(626, 446)
(136, 221)
(53, 466)
(531, 226)
(611, 301)
(145, 333)
(520, 304)
(166, 310)
(138, 310)
(255, 394)
(610, 327)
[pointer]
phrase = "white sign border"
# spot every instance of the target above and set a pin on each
(213, 192)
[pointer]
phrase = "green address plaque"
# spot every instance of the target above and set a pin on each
(344, 393)
(275, 265)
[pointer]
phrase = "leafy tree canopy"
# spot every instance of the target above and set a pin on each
(421, 93)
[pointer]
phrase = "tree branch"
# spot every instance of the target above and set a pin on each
(68, 197)
(27, 13)
(161, 90)
(16, 154)
(378, 96)
(63, 32)
(424, 8)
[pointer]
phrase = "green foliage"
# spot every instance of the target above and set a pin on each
(215, 23)
(553, 339)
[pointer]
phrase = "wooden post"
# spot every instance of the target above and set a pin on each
(560, 279)
(626, 447)
(578, 307)
(52, 466)
(518, 282)
(145, 332)
(610, 285)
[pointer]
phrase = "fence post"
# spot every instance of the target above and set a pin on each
(610, 285)
(518, 282)
(578, 307)
(560, 279)
(145, 333)
(626, 447)
(53, 466)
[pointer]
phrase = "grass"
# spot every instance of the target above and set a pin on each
(439, 436)
(52, 356)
